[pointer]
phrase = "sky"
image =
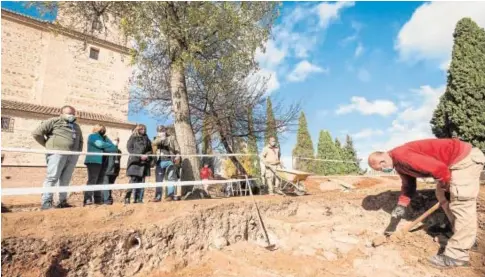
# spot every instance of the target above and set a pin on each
(373, 70)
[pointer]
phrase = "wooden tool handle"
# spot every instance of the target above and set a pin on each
(410, 225)
(383, 239)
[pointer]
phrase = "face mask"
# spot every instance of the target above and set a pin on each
(272, 143)
(69, 117)
(387, 169)
(162, 135)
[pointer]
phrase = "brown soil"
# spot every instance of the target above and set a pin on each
(322, 234)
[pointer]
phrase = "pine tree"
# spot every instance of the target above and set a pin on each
(255, 169)
(328, 151)
(304, 147)
(350, 154)
(461, 111)
(270, 123)
(341, 167)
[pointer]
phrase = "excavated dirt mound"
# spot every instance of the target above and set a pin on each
(324, 234)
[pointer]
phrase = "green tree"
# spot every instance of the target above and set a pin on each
(178, 37)
(271, 130)
(350, 154)
(327, 151)
(303, 147)
(255, 169)
(340, 167)
(461, 110)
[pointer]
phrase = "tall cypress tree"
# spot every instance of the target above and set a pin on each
(461, 111)
(253, 146)
(270, 122)
(341, 167)
(350, 154)
(326, 150)
(303, 147)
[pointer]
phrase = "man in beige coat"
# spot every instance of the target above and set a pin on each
(270, 157)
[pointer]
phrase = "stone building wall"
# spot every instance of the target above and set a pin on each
(46, 67)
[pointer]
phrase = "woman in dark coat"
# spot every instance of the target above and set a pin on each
(112, 172)
(138, 166)
(98, 142)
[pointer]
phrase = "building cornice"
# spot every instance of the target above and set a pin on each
(58, 29)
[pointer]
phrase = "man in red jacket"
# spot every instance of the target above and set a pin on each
(456, 165)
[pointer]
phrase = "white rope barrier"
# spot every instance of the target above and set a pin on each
(37, 190)
(327, 160)
(352, 176)
(42, 151)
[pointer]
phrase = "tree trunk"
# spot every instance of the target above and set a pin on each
(183, 128)
(227, 147)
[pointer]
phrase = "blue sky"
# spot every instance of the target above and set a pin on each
(374, 70)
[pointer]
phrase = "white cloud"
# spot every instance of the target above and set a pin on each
(269, 76)
(366, 133)
(359, 50)
(272, 57)
(272, 80)
(303, 69)
(288, 41)
(360, 104)
(413, 122)
(357, 26)
(328, 12)
(363, 75)
(428, 35)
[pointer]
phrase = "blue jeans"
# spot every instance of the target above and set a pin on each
(162, 169)
(59, 171)
(138, 192)
(107, 197)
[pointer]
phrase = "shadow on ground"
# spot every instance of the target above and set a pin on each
(421, 202)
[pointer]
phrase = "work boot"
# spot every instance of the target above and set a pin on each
(46, 206)
(443, 261)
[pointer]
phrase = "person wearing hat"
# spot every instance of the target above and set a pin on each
(168, 149)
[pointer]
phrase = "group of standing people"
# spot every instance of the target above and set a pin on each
(64, 134)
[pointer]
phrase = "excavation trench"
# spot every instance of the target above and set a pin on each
(315, 236)
(169, 246)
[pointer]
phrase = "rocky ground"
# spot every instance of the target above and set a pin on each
(325, 233)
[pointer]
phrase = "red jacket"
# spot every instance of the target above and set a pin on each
(426, 158)
(205, 173)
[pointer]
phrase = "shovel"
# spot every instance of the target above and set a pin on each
(269, 246)
(383, 239)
